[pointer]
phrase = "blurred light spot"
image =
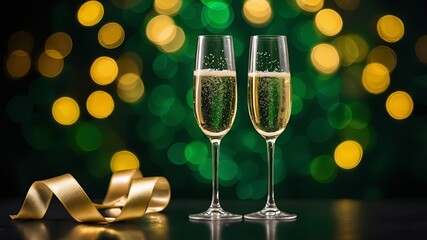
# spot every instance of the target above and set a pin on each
(390, 28)
(347, 48)
(217, 15)
(297, 104)
(161, 99)
(399, 105)
(205, 170)
(244, 190)
(169, 7)
(165, 67)
(18, 64)
(319, 130)
(61, 43)
(375, 78)
(325, 58)
(260, 189)
(100, 104)
(65, 111)
(362, 46)
(328, 22)
(339, 115)
(361, 115)
(348, 5)
(196, 152)
(19, 109)
(257, 12)
(104, 70)
(384, 55)
(191, 15)
(323, 169)
(130, 87)
(176, 153)
(176, 43)
(124, 160)
(310, 5)
(352, 84)
(305, 35)
(348, 154)
(42, 91)
(227, 170)
(49, 66)
(175, 115)
(421, 48)
(111, 35)
(90, 13)
(129, 62)
(161, 30)
(88, 137)
(21, 40)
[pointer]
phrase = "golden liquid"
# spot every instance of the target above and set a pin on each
(269, 102)
(215, 101)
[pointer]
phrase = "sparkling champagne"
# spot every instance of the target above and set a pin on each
(215, 101)
(269, 102)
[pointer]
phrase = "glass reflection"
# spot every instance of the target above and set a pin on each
(347, 215)
(215, 227)
(152, 226)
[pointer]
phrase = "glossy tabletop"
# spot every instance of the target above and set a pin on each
(317, 219)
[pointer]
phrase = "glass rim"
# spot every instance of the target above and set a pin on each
(269, 36)
(215, 36)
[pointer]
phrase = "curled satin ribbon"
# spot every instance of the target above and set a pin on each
(129, 196)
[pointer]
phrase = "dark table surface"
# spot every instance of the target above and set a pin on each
(317, 219)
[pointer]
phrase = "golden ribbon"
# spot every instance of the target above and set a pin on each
(129, 196)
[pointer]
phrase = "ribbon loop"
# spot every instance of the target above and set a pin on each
(129, 196)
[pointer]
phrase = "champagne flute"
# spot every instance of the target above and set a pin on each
(269, 103)
(215, 103)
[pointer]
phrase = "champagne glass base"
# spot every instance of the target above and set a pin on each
(215, 214)
(270, 214)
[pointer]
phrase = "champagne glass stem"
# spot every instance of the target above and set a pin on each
(270, 159)
(215, 164)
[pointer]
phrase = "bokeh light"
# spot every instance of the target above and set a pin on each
(323, 169)
(88, 137)
(49, 66)
(328, 21)
(21, 40)
(124, 160)
(375, 78)
(169, 7)
(349, 5)
(399, 105)
(217, 15)
(390, 28)
(348, 154)
(100, 104)
(130, 87)
(384, 55)
(421, 48)
(176, 43)
(104, 70)
(61, 43)
(65, 111)
(111, 35)
(310, 5)
(161, 30)
(90, 13)
(325, 58)
(18, 64)
(257, 12)
(129, 62)
(347, 49)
